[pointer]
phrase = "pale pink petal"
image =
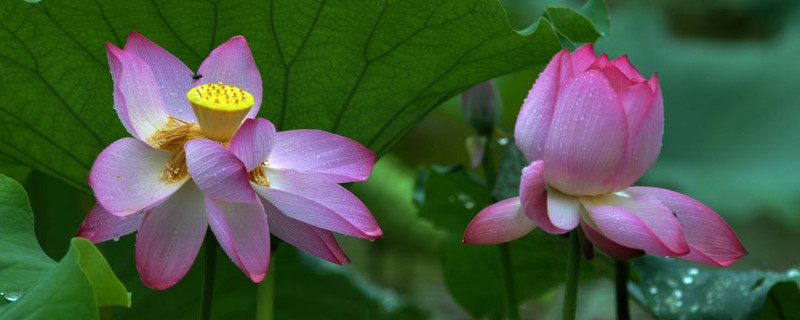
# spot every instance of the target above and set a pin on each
(637, 221)
(533, 196)
(587, 137)
(338, 158)
(711, 240)
(536, 113)
(218, 172)
(170, 237)
(100, 225)
(611, 248)
(624, 65)
(582, 58)
(645, 113)
(126, 177)
(242, 231)
(232, 63)
(253, 142)
(563, 210)
(139, 104)
(315, 200)
(501, 222)
(174, 78)
(318, 242)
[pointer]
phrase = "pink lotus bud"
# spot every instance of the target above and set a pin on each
(596, 122)
(481, 106)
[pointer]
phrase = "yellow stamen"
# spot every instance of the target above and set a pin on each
(259, 175)
(219, 109)
(172, 139)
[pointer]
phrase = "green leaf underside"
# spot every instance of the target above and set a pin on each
(36, 287)
(366, 70)
(677, 290)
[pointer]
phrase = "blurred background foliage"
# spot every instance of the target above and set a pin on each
(728, 70)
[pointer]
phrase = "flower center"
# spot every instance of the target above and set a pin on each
(259, 175)
(172, 139)
(219, 109)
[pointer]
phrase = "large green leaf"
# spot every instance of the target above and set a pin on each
(36, 287)
(678, 290)
(369, 70)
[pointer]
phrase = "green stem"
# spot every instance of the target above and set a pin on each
(571, 289)
(508, 277)
(488, 164)
(210, 257)
(265, 300)
(623, 309)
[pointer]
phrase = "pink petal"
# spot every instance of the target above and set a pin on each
(582, 58)
(218, 172)
(536, 114)
(618, 80)
(645, 115)
(100, 225)
(126, 177)
(637, 221)
(242, 231)
(563, 210)
(533, 196)
(253, 142)
(501, 222)
(173, 77)
(232, 63)
(315, 241)
(711, 240)
(587, 137)
(338, 158)
(315, 200)
(170, 237)
(624, 65)
(611, 248)
(139, 104)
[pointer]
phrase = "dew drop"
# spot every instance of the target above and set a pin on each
(693, 271)
(653, 290)
(115, 237)
(11, 296)
(794, 273)
(502, 141)
(687, 280)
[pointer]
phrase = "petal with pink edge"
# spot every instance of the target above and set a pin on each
(501, 222)
(587, 137)
(638, 222)
(138, 101)
(126, 177)
(624, 65)
(243, 233)
(232, 63)
(582, 58)
(711, 240)
(100, 225)
(170, 237)
(611, 248)
(317, 242)
(533, 196)
(563, 210)
(536, 113)
(618, 80)
(173, 77)
(645, 113)
(253, 142)
(338, 158)
(218, 172)
(315, 200)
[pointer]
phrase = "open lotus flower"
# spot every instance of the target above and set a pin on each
(590, 127)
(200, 159)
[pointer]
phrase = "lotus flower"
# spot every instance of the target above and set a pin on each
(200, 158)
(590, 127)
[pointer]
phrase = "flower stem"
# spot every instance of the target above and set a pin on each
(623, 310)
(571, 289)
(210, 257)
(266, 294)
(508, 277)
(488, 164)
